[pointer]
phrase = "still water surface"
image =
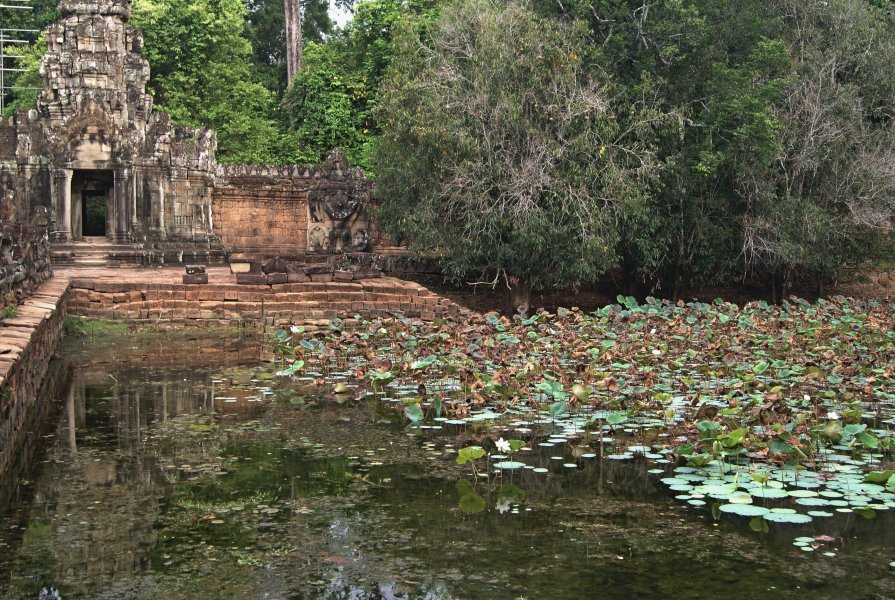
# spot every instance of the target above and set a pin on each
(182, 469)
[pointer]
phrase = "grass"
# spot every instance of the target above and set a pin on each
(80, 327)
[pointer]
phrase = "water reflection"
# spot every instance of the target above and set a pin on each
(168, 475)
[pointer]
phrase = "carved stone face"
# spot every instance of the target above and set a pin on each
(336, 165)
(339, 206)
(40, 217)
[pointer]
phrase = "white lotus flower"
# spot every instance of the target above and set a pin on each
(833, 415)
(503, 505)
(503, 446)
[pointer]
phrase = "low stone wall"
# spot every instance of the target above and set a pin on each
(305, 213)
(310, 303)
(250, 217)
(27, 343)
(24, 261)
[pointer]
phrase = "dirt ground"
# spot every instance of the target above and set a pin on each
(876, 285)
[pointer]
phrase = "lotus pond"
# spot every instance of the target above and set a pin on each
(683, 451)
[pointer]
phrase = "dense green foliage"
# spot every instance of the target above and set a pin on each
(771, 140)
(332, 100)
(761, 133)
(265, 31)
(25, 85)
(201, 73)
(518, 163)
(42, 13)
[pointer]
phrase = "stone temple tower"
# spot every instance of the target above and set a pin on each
(94, 66)
(94, 153)
(97, 162)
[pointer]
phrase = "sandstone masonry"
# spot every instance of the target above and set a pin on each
(98, 161)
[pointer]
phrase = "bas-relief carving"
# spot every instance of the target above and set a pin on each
(337, 209)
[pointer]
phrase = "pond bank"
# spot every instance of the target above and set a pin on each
(27, 343)
(156, 295)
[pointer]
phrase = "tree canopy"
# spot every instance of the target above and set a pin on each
(502, 151)
(722, 141)
(767, 123)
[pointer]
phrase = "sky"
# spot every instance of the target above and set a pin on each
(340, 16)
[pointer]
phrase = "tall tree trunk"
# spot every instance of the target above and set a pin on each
(293, 38)
(518, 297)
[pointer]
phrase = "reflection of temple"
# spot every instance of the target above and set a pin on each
(104, 164)
(116, 451)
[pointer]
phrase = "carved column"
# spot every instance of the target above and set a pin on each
(63, 189)
(119, 210)
(162, 231)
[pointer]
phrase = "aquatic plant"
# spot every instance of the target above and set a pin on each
(798, 397)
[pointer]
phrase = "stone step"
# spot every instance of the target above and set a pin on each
(114, 255)
(91, 248)
(78, 252)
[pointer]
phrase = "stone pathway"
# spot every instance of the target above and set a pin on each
(27, 342)
(219, 274)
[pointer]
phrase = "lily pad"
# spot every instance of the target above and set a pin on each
(745, 510)
(794, 518)
(509, 465)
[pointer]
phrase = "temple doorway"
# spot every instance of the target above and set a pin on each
(91, 192)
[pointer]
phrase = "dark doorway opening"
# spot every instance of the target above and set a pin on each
(91, 194)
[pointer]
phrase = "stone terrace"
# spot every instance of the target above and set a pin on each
(156, 295)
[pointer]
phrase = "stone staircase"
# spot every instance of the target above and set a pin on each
(90, 252)
(100, 252)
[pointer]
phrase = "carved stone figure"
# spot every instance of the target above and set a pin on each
(337, 209)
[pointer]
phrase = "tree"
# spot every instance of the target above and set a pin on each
(829, 198)
(325, 108)
(332, 100)
(201, 73)
(40, 15)
(293, 39)
(28, 83)
(501, 153)
(717, 69)
(266, 30)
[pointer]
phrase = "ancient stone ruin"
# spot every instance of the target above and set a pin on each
(102, 164)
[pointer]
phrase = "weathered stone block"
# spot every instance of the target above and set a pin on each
(251, 279)
(275, 265)
(195, 279)
(195, 269)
